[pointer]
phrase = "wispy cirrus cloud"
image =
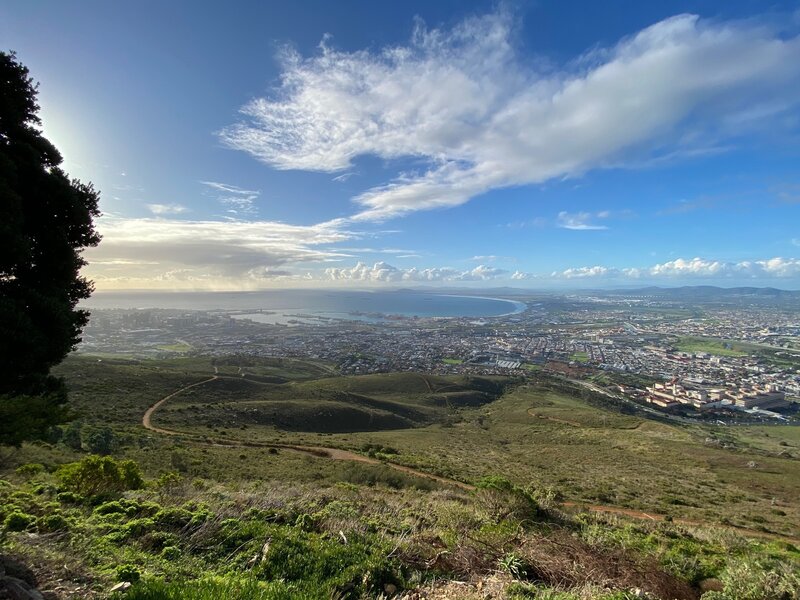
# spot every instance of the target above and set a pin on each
(239, 201)
(582, 221)
(481, 117)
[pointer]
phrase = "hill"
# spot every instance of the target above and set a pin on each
(479, 485)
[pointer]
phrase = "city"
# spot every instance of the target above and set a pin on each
(726, 363)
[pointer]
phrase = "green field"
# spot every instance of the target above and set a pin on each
(178, 347)
(235, 467)
(714, 346)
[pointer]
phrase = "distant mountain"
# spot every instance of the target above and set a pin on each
(710, 293)
(706, 290)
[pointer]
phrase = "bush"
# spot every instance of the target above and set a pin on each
(97, 476)
(514, 565)
(30, 470)
(103, 441)
(171, 553)
(18, 521)
(349, 570)
(158, 540)
(69, 498)
(173, 516)
(137, 527)
(503, 500)
(757, 580)
(54, 522)
(108, 508)
(128, 573)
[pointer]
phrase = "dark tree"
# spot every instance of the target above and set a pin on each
(46, 219)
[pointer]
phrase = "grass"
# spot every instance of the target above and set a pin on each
(254, 539)
(541, 433)
(579, 357)
(452, 361)
(544, 436)
(714, 346)
(328, 405)
(179, 347)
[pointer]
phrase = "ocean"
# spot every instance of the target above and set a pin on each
(364, 305)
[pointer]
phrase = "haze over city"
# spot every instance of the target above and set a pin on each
(529, 144)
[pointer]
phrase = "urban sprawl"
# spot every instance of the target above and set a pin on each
(728, 363)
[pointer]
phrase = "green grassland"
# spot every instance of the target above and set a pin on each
(714, 346)
(468, 428)
(542, 436)
(580, 357)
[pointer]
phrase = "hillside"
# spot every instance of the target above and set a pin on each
(443, 487)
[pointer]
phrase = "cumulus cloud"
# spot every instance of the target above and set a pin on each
(166, 209)
(698, 267)
(680, 269)
(382, 272)
(581, 221)
(480, 116)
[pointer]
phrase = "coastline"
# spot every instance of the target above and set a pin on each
(519, 307)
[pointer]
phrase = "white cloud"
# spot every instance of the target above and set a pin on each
(240, 201)
(481, 116)
(681, 269)
(230, 189)
(698, 267)
(166, 209)
(208, 254)
(382, 272)
(581, 221)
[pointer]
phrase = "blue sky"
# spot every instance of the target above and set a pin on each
(534, 144)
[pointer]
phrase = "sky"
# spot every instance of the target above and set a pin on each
(360, 144)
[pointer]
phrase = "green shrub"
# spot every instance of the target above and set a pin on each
(69, 498)
(514, 565)
(18, 521)
(137, 527)
(757, 580)
(350, 570)
(171, 553)
(108, 508)
(173, 516)
(53, 522)
(42, 489)
(30, 470)
(156, 541)
(305, 522)
(100, 476)
(102, 441)
(128, 573)
(235, 534)
(503, 500)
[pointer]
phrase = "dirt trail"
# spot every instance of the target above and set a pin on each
(149, 412)
(339, 454)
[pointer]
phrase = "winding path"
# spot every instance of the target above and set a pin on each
(339, 454)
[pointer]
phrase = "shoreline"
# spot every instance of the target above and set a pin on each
(520, 307)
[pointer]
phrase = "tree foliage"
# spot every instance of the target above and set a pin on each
(46, 219)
